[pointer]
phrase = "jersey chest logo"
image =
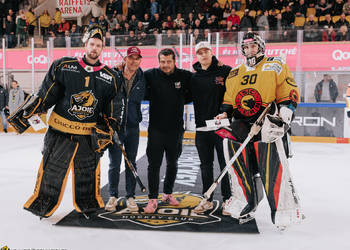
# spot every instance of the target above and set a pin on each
(248, 101)
(83, 104)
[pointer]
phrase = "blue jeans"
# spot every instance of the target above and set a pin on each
(3, 118)
(130, 141)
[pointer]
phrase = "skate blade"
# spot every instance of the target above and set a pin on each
(246, 218)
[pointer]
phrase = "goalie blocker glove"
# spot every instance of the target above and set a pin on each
(275, 126)
(101, 137)
(19, 119)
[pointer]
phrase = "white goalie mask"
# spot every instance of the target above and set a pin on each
(250, 38)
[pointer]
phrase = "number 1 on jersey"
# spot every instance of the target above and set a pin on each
(87, 80)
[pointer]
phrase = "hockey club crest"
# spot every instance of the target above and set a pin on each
(167, 215)
(293, 95)
(177, 85)
(83, 104)
(248, 102)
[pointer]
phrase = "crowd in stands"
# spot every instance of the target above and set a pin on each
(137, 22)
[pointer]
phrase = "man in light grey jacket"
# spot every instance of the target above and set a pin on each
(16, 96)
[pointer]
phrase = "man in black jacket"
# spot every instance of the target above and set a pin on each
(134, 86)
(167, 90)
(208, 88)
(4, 99)
(326, 90)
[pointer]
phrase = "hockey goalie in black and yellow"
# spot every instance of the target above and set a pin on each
(263, 165)
(88, 107)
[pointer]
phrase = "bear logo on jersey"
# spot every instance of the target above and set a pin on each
(248, 102)
(83, 104)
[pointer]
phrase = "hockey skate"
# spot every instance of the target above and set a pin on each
(169, 198)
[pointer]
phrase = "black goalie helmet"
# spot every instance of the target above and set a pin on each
(94, 31)
(249, 38)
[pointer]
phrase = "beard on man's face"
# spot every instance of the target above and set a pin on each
(93, 55)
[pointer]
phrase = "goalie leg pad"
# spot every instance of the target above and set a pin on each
(52, 175)
(243, 188)
(86, 177)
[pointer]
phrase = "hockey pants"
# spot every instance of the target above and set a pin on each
(62, 153)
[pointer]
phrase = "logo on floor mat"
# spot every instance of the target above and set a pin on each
(166, 215)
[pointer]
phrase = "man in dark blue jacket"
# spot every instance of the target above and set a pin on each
(208, 88)
(134, 89)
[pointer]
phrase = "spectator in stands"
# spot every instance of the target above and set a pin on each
(310, 29)
(164, 28)
(171, 7)
(216, 11)
(343, 34)
(4, 99)
(326, 90)
(197, 36)
(147, 39)
(212, 23)
(63, 27)
(140, 28)
(16, 96)
(337, 8)
(92, 21)
(21, 29)
(178, 19)
(58, 16)
(204, 6)
(277, 4)
(53, 27)
(170, 38)
(2, 17)
(328, 34)
(248, 21)
(31, 20)
(202, 19)
(118, 7)
(110, 9)
(123, 20)
(272, 18)
(235, 20)
(146, 21)
(311, 3)
(323, 8)
(154, 7)
(252, 5)
(155, 22)
(236, 4)
(263, 22)
(75, 36)
(300, 8)
(327, 22)
(117, 30)
(112, 22)
(133, 22)
(138, 8)
(103, 22)
(10, 30)
(190, 21)
(342, 21)
(12, 14)
(346, 8)
(288, 18)
(132, 39)
(228, 33)
(45, 20)
(227, 11)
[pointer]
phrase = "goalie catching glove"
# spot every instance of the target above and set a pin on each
(101, 137)
(19, 119)
(275, 126)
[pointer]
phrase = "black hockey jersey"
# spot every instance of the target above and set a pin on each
(81, 93)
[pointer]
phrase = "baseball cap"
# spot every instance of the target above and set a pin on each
(202, 45)
(133, 51)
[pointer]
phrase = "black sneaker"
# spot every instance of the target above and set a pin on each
(5, 130)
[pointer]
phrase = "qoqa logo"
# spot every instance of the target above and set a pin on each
(37, 59)
(339, 55)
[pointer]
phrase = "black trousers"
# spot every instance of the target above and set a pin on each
(158, 144)
(206, 142)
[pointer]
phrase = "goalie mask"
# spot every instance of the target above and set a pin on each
(253, 38)
(94, 31)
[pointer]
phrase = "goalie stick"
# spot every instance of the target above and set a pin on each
(131, 167)
(253, 131)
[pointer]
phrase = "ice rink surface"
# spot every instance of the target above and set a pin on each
(321, 174)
